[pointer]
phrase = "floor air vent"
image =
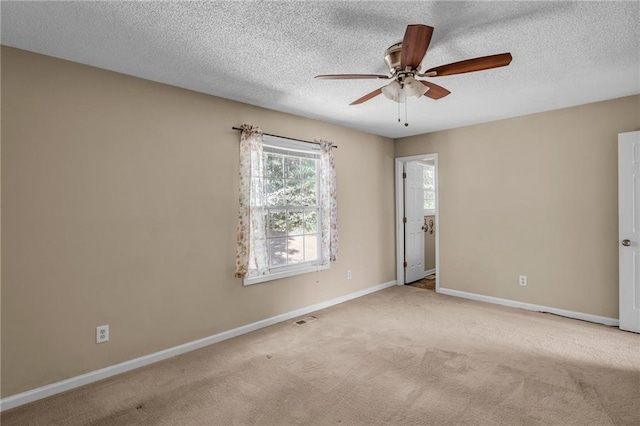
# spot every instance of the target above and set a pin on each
(303, 321)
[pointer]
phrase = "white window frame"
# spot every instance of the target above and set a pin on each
(278, 272)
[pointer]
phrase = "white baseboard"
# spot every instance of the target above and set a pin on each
(429, 272)
(531, 307)
(93, 376)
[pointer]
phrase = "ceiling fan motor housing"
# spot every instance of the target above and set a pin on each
(392, 57)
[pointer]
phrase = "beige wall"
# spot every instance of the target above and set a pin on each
(119, 200)
(533, 195)
(430, 246)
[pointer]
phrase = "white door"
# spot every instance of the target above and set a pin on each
(629, 229)
(414, 213)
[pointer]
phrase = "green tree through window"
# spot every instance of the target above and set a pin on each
(291, 188)
(428, 174)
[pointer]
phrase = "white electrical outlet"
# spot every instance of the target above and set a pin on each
(523, 280)
(102, 334)
(349, 274)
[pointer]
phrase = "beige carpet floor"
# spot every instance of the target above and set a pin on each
(399, 356)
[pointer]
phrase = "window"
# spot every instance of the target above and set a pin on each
(428, 173)
(292, 207)
(291, 188)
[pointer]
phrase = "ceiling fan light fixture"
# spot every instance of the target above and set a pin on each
(413, 87)
(399, 92)
(392, 91)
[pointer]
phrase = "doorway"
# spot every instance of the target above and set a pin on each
(417, 218)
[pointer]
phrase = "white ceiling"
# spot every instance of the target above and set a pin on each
(266, 53)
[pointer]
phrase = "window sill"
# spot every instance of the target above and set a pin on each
(284, 274)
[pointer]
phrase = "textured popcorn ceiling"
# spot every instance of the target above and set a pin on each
(266, 53)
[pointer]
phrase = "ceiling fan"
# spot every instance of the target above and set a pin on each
(404, 60)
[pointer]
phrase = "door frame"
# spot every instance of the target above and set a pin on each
(400, 214)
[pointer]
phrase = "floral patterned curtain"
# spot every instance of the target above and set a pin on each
(251, 251)
(329, 204)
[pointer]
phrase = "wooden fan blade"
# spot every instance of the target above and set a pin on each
(366, 97)
(414, 45)
(435, 91)
(471, 65)
(350, 76)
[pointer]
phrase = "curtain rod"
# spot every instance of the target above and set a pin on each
(284, 137)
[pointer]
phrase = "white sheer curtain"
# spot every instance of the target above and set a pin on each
(251, 251)
(329, 206)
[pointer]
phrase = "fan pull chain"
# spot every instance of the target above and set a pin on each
(398, 110)
(406, 123)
